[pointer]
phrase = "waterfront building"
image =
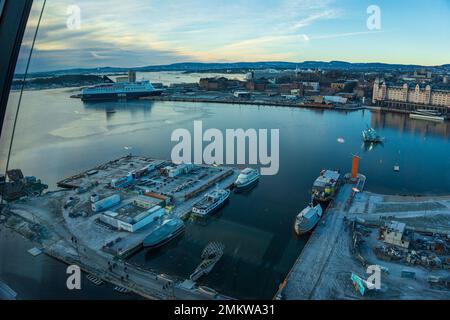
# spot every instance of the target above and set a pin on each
(256, 85)
(131, 219)
(410, 98)
(106, 203)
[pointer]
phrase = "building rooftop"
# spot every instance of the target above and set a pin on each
(395, 226)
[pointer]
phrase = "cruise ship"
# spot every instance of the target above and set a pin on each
(247, 179)
(325, 187)
(119, 91)
(211, 202)
(307, 219)
(167, 231)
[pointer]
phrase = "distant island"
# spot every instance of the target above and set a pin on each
(242, 67)
(59, 81)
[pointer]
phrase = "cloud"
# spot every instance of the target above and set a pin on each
(155, 32)
(328, 14)
(150, 32)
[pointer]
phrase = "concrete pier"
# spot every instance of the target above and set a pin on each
(307, 272)
(345, 243)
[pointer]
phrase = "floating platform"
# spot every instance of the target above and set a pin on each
(35, 252)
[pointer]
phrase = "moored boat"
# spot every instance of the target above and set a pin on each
(119, 91)
(211, 202)
(247, 179)
(325, 187)
(307, 219)
(167, 231)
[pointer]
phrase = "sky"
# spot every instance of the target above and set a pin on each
(135, 33)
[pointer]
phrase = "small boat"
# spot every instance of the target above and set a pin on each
(167, 231)
(371, 136)
(307, 219)
(94, 280)
(211, 202)
(397, 168)
(431, 115)
(247, 179)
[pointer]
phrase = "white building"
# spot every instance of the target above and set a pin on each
(132, 223)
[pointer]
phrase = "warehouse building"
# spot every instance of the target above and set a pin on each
(131, 220)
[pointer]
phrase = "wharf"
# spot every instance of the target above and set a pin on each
(265, 102)
(307, 273)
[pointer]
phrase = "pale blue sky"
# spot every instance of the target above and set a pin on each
(151, 32)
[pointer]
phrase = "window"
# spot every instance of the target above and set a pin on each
(209, 183)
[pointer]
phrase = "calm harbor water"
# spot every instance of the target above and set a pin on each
(58, 136)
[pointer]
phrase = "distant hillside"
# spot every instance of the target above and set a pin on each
(243, 66)
(56, 81)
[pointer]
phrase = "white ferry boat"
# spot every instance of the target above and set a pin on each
(248, 178)
(118, 91)
(211, 202)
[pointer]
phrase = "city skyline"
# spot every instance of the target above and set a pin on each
(157, 33)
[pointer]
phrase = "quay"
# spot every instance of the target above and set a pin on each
(307, 273)
(266, 102)
(103, 215)
(356, 232)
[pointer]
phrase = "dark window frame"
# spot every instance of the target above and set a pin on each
(14, 16)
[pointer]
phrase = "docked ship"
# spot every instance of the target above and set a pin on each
(167, 231)
(127, 90)
(371, 136)
(211, 202)
(325, 187)
(307, 219)
(247, 179)
(431, 115)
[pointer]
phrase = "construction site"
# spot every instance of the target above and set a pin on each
(103, 215)
(406, 240)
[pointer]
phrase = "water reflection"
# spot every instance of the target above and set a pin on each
(403, 123)
(369, 146)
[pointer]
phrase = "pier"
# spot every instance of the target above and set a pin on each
(349, 239)
(308, 272)
(130, 186)
(225, 99)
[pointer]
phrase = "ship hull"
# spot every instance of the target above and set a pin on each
(119, 96)
(244, 187)
(213, 210)
(304, 225)
(304, 229)
(157, 244)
